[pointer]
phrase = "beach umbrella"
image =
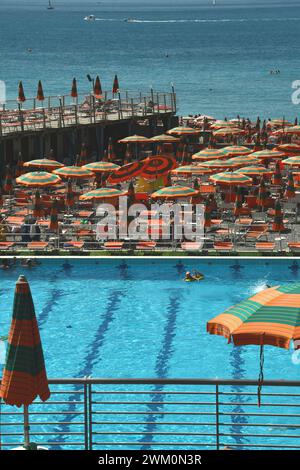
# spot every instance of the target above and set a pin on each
(40, 93)
(24, 375)
(168, 180)
(158, 165)
(235, 151)
(191, 170)
(74, 92)
(110, 151)
(75, 172)
(292, 161)
(116, 87)
(277, 177)
(255, 170)
(292, 130)
(270, 317)
(231, 163)
(244, 160)
(238, 202)
(21, 95)
(19, 167)
(289, 149)
(43, 163)
(183, 131)
(102, 193)
(54, 216)
(70, 200)
(126, 172)
(278, 225)
(231, 178)
(38, 179)
(165, 139)
(290, 188)
(135, 139)
(174, 192)
(261, 200)
(207, 214)
(225, 131)
(37, 205)
(279, 123)
(8, 183)
(219, 124)
(83, 160)
(101, 167)
(97, 89)
(267, 154)
(208, 154)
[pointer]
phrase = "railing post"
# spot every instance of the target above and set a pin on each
(90, 417)
(86, 417)
(157, 97)
(217, 419)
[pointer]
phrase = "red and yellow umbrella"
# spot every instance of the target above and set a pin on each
(231, 178)
(83, 160)
(102, 193)
(225, 131)
(101, 167)
(38, 179)
(126, 172)
(21, 94)
(292, 130)
(174, 192)
(220, 124)
(74, 172)
(40, 93)
(110, 151)
(183, 131)
(208, 154)
(290, 188)
(74, 92)
(43, 163)
(158, 165)
(37, 205)
(98, 89)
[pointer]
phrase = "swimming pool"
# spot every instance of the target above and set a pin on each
(137, 318)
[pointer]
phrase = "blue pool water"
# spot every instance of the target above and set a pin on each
(137, 318)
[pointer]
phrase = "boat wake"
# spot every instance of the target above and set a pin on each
(222, 20)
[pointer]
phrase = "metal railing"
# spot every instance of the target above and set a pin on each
(167, 414)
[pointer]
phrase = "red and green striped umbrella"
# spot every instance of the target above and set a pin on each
(261, 200)
(70, 200)
(235, 151)
(255, 170)
(208, 154)
(238, 202)
(183, 131)
(292, 130)
(98, 89)
(290, 188)
(292, 161)
(165, 139)
(83, 158)
(101, 167)
(277, 178)
(231, 178)
(74, 92)
(158, 165)
(220, 124)
(191, 170)
(76, 172)
(135, 139)
(225, 131)
(21, 94)
(174, 192)
(37, 205)
(54, 216)
(211, 164)
(244, 160)
(116, 86)
(126, 172)
(40, 93)
(207, 214)
(102, 193)
(110, 151)
(43, 163)
(279, 123)
(8, 184)
(289, 149)
(267, 154)
(278, 225)
(24, 375)
(38, 179)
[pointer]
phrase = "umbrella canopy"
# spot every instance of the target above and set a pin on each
(38, 179)
(174, 192)
(102, 193)
(208, 154)
(54, 216)
(37, 205)
(164, 138)
(290, 188)
(292, 161)
(292, 130)
(228, 131)
(24, 375)
(135, 139)
(8, 185)
(182, 131)
(238, 202)
(21, 95)
(267, 154)
(244, 160)
(255, 170)
(76, 172)
(261, 200)
(126, 172)
(70, 201)
(278, 225)
(219, 123)
(235, 150)
(74, 92)
(231, 178)
(40, 93)
(97, 89)
(101, 167)
(43, 163)
(158, 165)
(191, 170)
(289, 148)
(277, 178)
(116, 87)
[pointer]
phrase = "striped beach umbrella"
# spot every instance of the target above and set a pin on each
(110, 151)
(290, 188)
(261, 200)
(37, 205)
(74, 92)
(174, 192)
(158, 165)
(101, 167)
(231, 178)
(267, 154)
(102, 193)
(289, 149)
(208, 154)
(255, 170)
(219, 124)
(24, 375)
(191, 170)
(135, 139)
(54, 216)
(279, 123)
(126, 172)
(43, 163)
(292, 130)
(277, 177)
(8, 181)
(21, 95)
(83, 158)
(269, 317)
(278, 225)
(183, 131)
(238, 202)
(74, 172)
(38, 179)
(98, 88)
(116, 86)
(225, 131)
(70, 200)
(235, 151)
(165, 139)
(207, 214)
(19, 167)
(40, 93)
(292, 161)
(244, 160)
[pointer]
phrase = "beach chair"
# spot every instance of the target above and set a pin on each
(294, 247)
(223, 247)
(256, 232)
(73, 245)
(265, 247)
(38, 246)
(145, 246)
(191, 246)
(113, 246)
(6, 245)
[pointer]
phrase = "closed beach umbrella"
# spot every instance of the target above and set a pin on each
(235, 150)
(267, 154)
(101, 167)
(74, 92)
(174, 192)
(21, 94)
(38, 179)
(126, 172)
(98, 89)
(135, 139)
(110, 151)
(24, 376)
(207, 214)
(290, 188)
(19, 168)
(231, 178)
(208, 154)
(261, 200)
(278, 225)
(76, 172)
(70, 200)
(116, 86)
(277, 178)
(8, 184)
(37, 205)
(269, 317)
(102, 193)
(255, 170)
(40, 93)
(43, 163)
(158, 165)
(238, 202)
(292, 161)
(183, 131)
(54, 216)
(83, 160)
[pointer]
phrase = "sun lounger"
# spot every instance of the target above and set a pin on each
(224, 247)
(113, 246)
(73, 245)
(256, 232)
(145, 246)
(294, 247)
(265, 246)
(6, 245)
(191, 246)
(39, 246)
(14, 220)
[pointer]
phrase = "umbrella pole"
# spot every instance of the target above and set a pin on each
(26, 427)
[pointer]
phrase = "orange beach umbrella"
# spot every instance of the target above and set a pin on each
(21, 94)
(126, 172)
(158, 165)
(76, 172)
(74, 92)
(43, 163)
(116, 86)
(98, 89)
(40, 93)
(290, 188)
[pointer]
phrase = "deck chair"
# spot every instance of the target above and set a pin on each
(265, 247)
(223, 247)
(39, 246)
